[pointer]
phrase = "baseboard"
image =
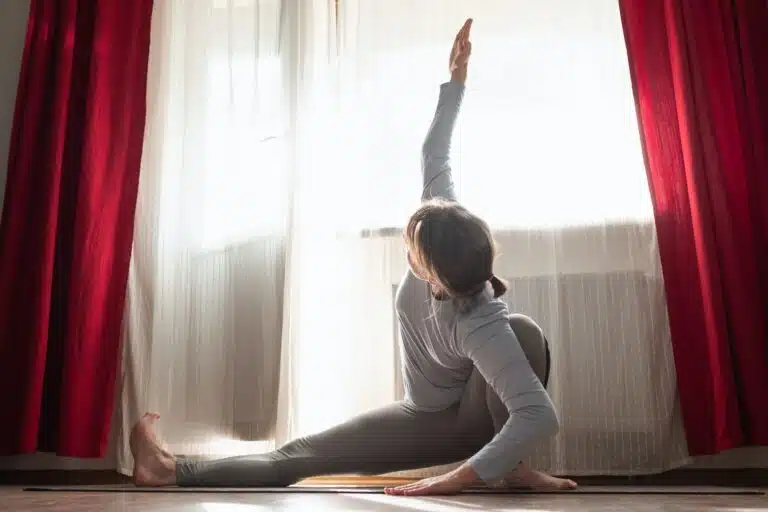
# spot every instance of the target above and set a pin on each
(680, 477)
(62, 477)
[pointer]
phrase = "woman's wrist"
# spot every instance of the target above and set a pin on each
(465, 474)
(459, 75)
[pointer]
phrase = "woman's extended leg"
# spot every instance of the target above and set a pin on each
(394, 438)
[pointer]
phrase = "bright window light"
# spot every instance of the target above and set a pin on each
(245, 172)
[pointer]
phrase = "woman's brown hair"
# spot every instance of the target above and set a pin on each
(454, 248)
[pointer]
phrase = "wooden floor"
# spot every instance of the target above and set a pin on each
(15, 499)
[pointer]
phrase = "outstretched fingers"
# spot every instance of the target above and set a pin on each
(466, 28)
(407, 489)
(463, 34)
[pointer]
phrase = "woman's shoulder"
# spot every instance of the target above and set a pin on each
(481, 311)
(487, 319)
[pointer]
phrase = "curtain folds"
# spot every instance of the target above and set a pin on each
(65, 238)
(699, 74)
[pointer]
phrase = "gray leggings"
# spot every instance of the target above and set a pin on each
(394, 438)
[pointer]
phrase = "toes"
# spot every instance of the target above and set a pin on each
(565, 483)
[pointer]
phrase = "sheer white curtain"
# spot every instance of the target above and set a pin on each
(281, 161)
(204, 312)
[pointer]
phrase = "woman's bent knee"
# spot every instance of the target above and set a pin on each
(534, 344)
(525, 324)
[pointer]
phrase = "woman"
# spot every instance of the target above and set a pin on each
(473, 372)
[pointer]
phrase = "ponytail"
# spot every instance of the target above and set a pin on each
(499, 286)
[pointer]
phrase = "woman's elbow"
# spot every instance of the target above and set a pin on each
(426, 155)
(427, 145)
(543, 419)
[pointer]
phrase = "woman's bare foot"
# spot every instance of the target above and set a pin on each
(524, 476)
(152, 466)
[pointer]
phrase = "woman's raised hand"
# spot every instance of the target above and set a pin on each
(462, 48)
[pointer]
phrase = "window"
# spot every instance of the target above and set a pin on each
(245, 169)
(547, 135)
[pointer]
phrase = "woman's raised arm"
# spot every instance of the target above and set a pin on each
(435, 161)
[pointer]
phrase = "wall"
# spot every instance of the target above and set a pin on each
(13, 18)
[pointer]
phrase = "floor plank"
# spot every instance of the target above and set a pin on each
(15, 499)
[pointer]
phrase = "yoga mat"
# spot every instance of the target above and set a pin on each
(336, 489)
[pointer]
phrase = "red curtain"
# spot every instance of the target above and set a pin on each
(67, 226)
(700, 75)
